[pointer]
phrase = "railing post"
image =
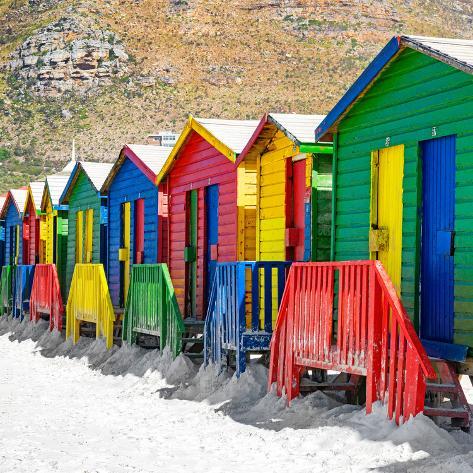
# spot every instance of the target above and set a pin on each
(241, 314)
(374, 342)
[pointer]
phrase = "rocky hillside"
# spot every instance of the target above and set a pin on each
(108, 72)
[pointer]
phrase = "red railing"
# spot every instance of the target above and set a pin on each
(46, 296)
(346, 316)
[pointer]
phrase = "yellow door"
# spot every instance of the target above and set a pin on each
(89, 234)
(125, 250)
(386, 210)
(17, 247)
(49, 236)
(79, 235)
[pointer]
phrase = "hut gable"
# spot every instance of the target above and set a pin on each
(12, 213)
(204, 156)
(131, 179)
(418, 94)
(82, 194)
(280, 143)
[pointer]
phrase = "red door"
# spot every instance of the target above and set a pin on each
(139, 231)
(295, 212)
(299, 208)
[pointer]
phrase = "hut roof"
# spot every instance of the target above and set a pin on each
(95, 172)
(36, 189)
(150, 159)
(298, 128)
(229, 137)
(18, 197)
(457, 53)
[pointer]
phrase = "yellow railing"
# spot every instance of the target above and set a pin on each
(89, 301)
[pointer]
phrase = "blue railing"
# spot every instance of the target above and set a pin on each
(22, 284)
(242, 309)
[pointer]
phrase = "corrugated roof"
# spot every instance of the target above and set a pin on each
(152, 156)
(69, 168)
(97, 172)
(457, 53)
(233, 133)
(3, 199)
(19, 196)
(37, 188)
(301, 127)
(459, 50)
(56, 184)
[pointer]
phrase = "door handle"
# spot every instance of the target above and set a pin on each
(452, 243)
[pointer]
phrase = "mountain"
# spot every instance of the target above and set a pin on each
(107, 72)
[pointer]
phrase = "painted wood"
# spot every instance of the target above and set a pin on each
(415, 97)
(188, 173)
(438, 224)
(211, 256)
(386, 211)
(130, 184)
(13, 235)
(84, 246)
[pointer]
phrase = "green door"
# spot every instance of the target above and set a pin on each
(190, 255)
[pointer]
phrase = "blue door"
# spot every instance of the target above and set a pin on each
(438, 224)
(211, 205)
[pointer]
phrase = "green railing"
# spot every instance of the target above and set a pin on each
(151, 307)
(6, 290)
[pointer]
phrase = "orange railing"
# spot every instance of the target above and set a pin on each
(347, 317)
(46, 296)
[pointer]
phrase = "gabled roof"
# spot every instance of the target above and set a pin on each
(55, 184)
(3, 198)
(229, 137)
(150, 159)
(35, 193)
(298, 128)
(17, 197)
(458, 53)
(95, 172)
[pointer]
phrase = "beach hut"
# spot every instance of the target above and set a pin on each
(3, 198)
(87, 216)
(136, 214)
(293, 188)
(211, 208)
(12, 214)
(403, 187)
(54, 223)
(402, 195)
(31, 223)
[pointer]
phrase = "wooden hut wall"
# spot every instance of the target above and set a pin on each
(12, 220)
(83, 197)
(188, 174)
(128, 185)
(415, 98)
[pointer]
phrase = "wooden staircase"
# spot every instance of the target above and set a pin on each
(444, 397)
(193, 338)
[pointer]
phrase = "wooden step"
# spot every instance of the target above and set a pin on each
(457, 412)
(441, 388)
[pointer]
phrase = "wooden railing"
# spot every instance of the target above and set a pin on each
(89, 301)
(6, 290)
(22, 283)
(152, 308)
(240, 309)
(46, 296)
(347, 317)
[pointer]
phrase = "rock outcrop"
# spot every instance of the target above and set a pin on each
(68, 55)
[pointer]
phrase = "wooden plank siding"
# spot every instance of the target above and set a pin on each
(199, 165)
(128, 185)
(12, 219)
(411, 96)
(271, 199)
(83, 197)
(31, 245)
